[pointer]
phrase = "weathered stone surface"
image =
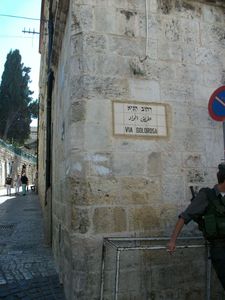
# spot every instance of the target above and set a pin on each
(212, 15)
(77, 111)
(151, 70)
(109, 219)
(82, 18)
(84, 259)
(95, 42)
(80, 220)
(154, 164)
(127, 164)
(105, 192)
(98, 110)
(152, 220)
(176, 91)
(116, 66)
(170, 51)
(128, 190)
(143, 219)
(104, 87)
(144, 89)
(98, 138)
(100, 164)
(130, 186)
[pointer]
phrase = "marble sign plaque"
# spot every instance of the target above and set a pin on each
(139, 119)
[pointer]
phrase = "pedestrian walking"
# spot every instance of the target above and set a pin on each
(27, 184)
(35, 188)
(208, 210)
(8, 184)
(17, 184)
(24, 181)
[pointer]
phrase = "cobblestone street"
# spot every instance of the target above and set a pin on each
(27, 269)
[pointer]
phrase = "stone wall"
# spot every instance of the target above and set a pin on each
(109, 185)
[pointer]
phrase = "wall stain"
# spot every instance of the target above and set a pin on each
(129, 33)
(76, 23)
(128, 14)
(137, 68)
(195, 176)
(219, 32)
(182, 5)
(223, 77)
(172, 30)
(165, 6)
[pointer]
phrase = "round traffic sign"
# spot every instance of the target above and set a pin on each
(216, 105)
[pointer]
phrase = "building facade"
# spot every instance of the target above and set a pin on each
(124, 131)
(13, 161)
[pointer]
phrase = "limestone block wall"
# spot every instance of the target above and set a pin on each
(42, 130)
(105, 185)
(43, 95)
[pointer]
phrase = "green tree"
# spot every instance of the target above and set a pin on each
(16, 102)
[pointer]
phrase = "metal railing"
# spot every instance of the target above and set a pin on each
(18, 151)
(115, 243)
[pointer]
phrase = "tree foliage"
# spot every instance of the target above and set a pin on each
(16, 102)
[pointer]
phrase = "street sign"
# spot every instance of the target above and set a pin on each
(216, 105)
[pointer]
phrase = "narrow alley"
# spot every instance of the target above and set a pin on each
(27, 268)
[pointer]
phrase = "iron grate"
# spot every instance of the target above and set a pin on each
(6, 229)
(6, 226)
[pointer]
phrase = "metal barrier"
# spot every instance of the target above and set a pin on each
(115, 242)
(18, 151)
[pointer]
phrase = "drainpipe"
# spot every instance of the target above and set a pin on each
(48, 131)
(48, 178)
(49, 101)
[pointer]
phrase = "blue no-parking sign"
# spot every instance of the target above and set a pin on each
(216, 106)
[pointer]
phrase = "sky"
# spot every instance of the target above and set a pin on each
(12, 37)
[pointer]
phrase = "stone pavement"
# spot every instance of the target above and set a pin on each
(27, 269)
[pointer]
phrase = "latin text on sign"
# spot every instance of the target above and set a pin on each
(139, 119)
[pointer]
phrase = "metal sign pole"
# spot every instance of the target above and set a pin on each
(224, 141)
(208, 273)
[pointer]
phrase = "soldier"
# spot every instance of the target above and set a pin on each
(208, 209)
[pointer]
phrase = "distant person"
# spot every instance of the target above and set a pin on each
(27, 184)
(36, 182)
(17, 184)
(8, 184)
(24, 181)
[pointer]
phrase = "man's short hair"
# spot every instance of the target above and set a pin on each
(221, 173)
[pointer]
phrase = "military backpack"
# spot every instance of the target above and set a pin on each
(212, 223)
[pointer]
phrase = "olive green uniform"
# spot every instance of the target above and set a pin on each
(207, 208)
